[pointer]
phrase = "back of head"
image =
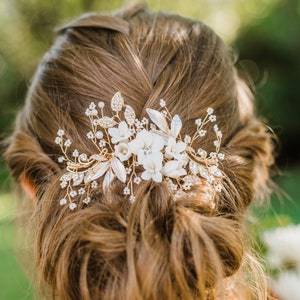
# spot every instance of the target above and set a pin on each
(155, 247)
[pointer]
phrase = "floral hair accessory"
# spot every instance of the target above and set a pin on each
(132, 150)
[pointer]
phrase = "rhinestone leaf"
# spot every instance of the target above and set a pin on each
(98, 157)
(193, 167)
(216, 171)
(107, 122)
(78, 179)
(129, 115)
(158, 119)
(203, 172)
(117, 102)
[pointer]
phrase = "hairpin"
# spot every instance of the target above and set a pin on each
(131, 150)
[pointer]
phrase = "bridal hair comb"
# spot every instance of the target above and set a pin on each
(131, 150)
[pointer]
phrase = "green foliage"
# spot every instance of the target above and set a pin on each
(273, 43)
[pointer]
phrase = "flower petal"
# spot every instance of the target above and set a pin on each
(146, 175)
(135, 145)
(157, 142)
(157, 177)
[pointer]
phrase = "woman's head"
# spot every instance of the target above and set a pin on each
(154, 247)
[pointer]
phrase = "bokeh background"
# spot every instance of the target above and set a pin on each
(265, 35)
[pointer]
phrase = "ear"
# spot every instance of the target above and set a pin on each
(28, 186)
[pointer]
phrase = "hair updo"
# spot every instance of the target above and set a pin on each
(154, 248)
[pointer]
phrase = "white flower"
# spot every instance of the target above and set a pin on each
(174, 148)
(218, 187)
(57, 140)
(202, 152)
(72, 206)
(187, 139)
(60, 132)
(132, 198)
(81, 191)
(145, 144)
(283, 245)
(63, 184)
(102, 143)
(126, 191)
(73, 193)
(287, 286)
(173, 169)
(145, 121)
(92, 106)
(137, 180)
(202, 132)
(162, 102)
(90, 135)
(210, 110)
(94, 184)
(61, 159)
(212, 118)
(198, 122)
(153, 165)
(216, 143)
(221, 156)
(75, 153)
(122, 151)
(63, 201)
(67, 143)
(120, 134)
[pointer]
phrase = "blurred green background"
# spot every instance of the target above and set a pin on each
(266, 37)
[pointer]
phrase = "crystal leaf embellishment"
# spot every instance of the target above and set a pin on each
(129, 115)
(107, 122)
(117, 102)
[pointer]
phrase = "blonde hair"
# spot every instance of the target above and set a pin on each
(155, 247)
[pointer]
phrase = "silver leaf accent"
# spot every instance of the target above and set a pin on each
(176, 126)
(66, 177)
(117, 102)
(158, 119)
(194, 167)
(98, 157)
(96, 171)
(203, 172)
(107, 122)
(118, 169)
(129, 115)
(216, 171)
(78, 179)
(108, 178)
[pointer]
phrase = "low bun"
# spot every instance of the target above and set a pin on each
(161, 245)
